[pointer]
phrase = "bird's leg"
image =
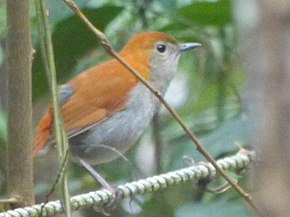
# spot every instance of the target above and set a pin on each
(96, 175)
(113, 202)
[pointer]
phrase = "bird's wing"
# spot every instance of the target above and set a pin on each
(97, 94)
(90, 98)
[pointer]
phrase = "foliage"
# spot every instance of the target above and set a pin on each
(211, 93)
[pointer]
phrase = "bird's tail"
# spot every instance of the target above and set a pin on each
(43, 132)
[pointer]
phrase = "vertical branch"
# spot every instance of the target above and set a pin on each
(48, 56)
(267, 55)
(158, 143)
(19, 58)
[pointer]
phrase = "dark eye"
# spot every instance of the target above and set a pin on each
(161, 48)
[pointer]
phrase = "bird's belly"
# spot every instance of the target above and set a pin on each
(113, 137)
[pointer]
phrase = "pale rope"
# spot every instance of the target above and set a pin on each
(235, 163)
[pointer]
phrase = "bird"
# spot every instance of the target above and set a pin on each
(105, 109)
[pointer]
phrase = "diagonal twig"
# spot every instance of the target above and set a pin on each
(107, 46)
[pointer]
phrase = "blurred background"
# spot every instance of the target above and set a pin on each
(208, 93)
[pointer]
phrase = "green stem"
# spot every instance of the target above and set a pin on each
(48, 56)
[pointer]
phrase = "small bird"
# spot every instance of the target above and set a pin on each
(105, 109)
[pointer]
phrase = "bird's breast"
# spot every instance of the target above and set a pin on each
(118, 133)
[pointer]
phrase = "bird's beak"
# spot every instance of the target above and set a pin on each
(188, 46)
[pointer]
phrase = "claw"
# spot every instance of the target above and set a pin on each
(220, 189)
(188, 161)
(101, 209)
(111, 204)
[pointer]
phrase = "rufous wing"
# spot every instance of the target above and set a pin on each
(97, 94)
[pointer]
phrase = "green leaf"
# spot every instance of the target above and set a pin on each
(225, 139)
(173, 26)
(72, 40)
(208, 13)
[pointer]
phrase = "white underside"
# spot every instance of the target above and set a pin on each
(104, 142)
(117, 134)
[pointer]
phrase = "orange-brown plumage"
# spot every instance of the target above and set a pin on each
(101, 99)
(43, 131)
(101, 90)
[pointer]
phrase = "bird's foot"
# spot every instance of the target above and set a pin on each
(114, 191)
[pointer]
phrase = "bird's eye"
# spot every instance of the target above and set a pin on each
(161, 48)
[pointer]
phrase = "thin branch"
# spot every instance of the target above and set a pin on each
(158, 143)
(48, 56)
(107, 46)
(12, 200)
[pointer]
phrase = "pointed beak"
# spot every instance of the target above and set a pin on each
(188, 46)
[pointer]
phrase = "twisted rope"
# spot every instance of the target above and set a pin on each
(98, 198)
